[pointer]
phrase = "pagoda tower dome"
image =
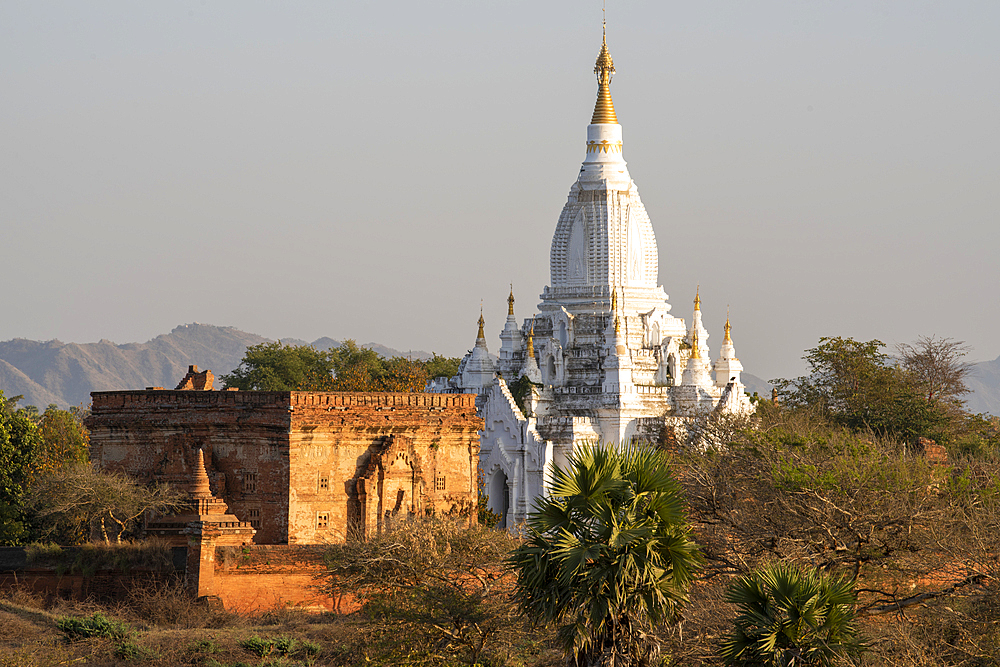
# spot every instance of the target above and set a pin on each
(604, 236)
(478, 369)
(530, 368)
(728, 367)
(697, 327)
(510, 337)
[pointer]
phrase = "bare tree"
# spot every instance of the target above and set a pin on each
(442, 587)
(936, 367)
(77, 500)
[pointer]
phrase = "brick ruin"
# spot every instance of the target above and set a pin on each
(292, 467)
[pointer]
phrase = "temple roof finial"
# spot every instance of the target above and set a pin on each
(729, 338)
(604, 110)
(510, 300)
(200, 487)
(697, 298)
(531, 339)
(481, 323)
(695, 353)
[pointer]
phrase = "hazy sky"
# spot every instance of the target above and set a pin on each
(374, 170)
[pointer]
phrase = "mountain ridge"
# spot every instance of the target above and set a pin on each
(46, 372)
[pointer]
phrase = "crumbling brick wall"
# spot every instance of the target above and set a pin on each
(301, 467)
(360, 460)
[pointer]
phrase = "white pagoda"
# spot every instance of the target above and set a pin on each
(603, 358)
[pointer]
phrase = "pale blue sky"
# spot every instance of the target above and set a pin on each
(375, 170)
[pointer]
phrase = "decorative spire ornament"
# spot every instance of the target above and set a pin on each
(481, 323)
(200, 487)
(531, 340)
(604, 110)
(510, 300)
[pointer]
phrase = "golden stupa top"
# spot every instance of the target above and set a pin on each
(510, 301)
(697, 298)
(604, 110)
(695, 353)
(729, 338)
(481, 323)
(531, 340)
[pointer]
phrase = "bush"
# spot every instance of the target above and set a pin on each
(791, 616)
(130, 650)
(95, 625)
(432, 587)
(283, 645)
(172, 606)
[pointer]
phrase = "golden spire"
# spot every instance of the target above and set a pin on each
(695, 354)
(510, 300)
(481, 323)
(729, 338)
(531, 340)
(604, 110)
(697, 298)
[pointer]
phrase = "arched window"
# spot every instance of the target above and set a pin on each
(499, 502)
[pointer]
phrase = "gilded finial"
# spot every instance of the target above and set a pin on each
(510, 300)
(604, 110)
(481, 323)
(697, 298)
(695, 354)
(729, 338)
(531, 339)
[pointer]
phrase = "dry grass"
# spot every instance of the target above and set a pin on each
(171, 629)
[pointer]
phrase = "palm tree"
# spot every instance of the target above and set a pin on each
(608, 555)
(791, 617)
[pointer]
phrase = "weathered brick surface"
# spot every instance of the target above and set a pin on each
(302, 467)
(933, 452)
(256, 578)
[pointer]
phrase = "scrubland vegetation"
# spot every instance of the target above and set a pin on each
(826, 529)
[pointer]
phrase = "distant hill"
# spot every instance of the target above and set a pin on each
(755, 385)
(65, 373)
(46, 372)
(984, 381)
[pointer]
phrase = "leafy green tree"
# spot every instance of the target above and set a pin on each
(853, 383)
(438, 366)
(20, 442)
(64, 440)
(791, 617)
(360, 369)
(609, 554)
(277, 367)
(349, 367)
(356, 368)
